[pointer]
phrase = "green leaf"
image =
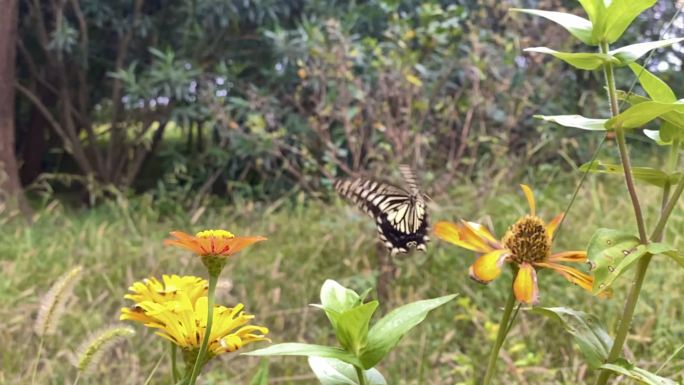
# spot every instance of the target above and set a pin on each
(620, 14)
(575, 121)
(591, 337)
(352, 327)
(582, 60)
(657, 89)
(642, 113)
(631, 53)
(578, 27)
(387, 332)
(338, 298)
(673, 117)
(596, 10)
(330, 371)
(647, 174)
(611, 253)
(297, 349)
(626, 368)
(261, 376)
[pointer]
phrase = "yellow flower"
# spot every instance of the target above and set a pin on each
(214, 243)
(182, 317)
(152, 290)
(527, 245)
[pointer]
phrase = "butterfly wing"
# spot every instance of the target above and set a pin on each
(400, 215)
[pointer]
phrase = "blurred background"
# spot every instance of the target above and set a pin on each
(123, 120)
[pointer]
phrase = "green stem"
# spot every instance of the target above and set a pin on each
(642, 267)
(213, 279)
(360, 375)
(504, 327)
(35, 365)
(174, 367)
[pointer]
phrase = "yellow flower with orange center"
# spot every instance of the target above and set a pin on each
(527, 245)
(212, 243)
(181, 317)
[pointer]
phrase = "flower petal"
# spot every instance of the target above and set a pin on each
(530, 198)
(487, 267)
(570, 273)
(238, 243)
(525, 285)
(463, 236)
(569, 256)
(553, 225)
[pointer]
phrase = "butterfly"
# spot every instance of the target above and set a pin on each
(400, 213)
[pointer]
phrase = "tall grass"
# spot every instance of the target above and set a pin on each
(309, 241)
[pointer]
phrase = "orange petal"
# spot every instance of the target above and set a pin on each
(571, 274)
(553, 225)
(191, 246)
(530, 198)
(569, 256)
(487, 267)
(525, 285)
(460, 235)
(238, 243)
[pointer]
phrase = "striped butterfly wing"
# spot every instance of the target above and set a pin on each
(400, 215)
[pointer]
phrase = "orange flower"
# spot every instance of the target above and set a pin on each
(214, 243)
(526, 244)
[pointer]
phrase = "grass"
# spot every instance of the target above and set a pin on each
(120, 242)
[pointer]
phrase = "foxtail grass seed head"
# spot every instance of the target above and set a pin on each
(54, 302)
(91, 351)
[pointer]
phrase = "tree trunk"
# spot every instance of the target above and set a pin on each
(9, 180)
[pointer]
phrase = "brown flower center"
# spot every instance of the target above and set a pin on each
(528, 240)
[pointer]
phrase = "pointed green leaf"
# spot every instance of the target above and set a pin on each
(626, 368)
(582, 60)
(590, 335)
(578, 27)
(330, 371)
(620, 14)
(673, 117)
(631, 53)
(642, 113)
(387, 332)
(261, 376)
(647, 174)
(338, 298)
(575, 121)
(611, 253)
(297, 349)
(352, 327)
(657, 89)
(596, 10)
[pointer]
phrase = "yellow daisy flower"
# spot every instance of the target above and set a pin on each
(182, 319)
(212, 243)
(527, 245)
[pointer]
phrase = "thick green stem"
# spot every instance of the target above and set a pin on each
(174, 367)
(504, 327)
(633, 296)
(622, 146)
(199, 361)
(360, 375)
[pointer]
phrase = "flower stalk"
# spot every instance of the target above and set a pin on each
(211, 295)
(504, 327)
(360, 375)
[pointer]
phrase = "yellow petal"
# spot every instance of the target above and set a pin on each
(569, 256)
(553, 225)
(488, 266)
(460, 235)
(573, 275)
(525, 285)
(530, 198)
